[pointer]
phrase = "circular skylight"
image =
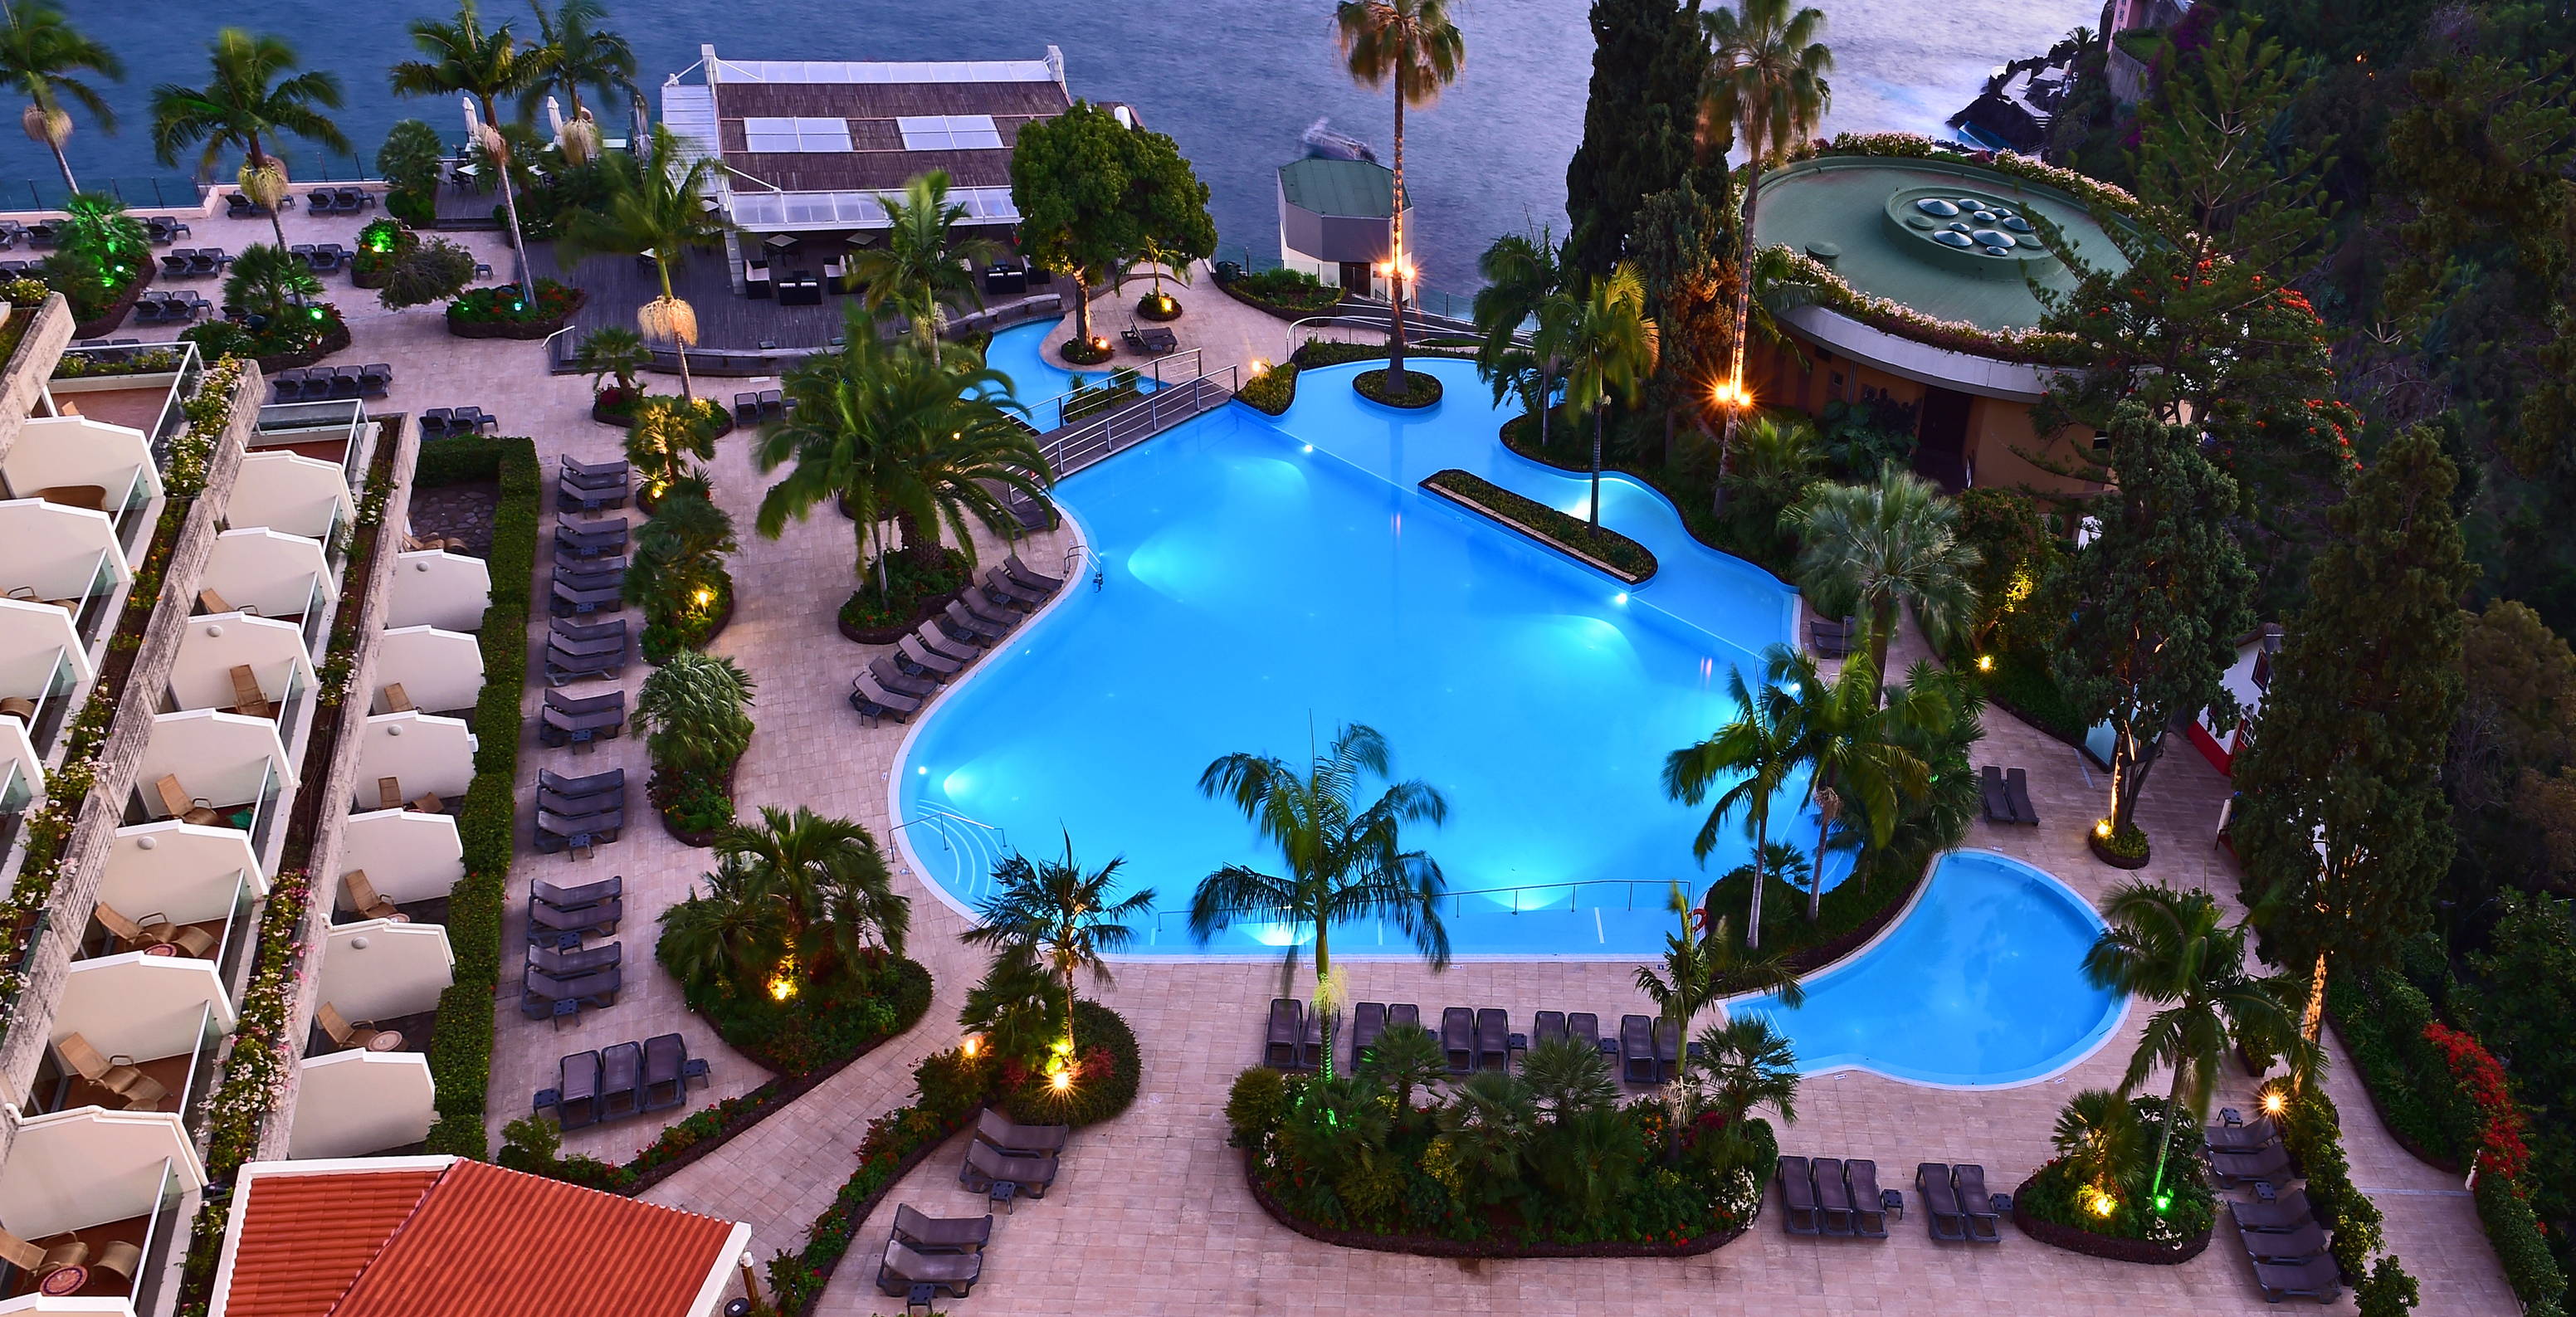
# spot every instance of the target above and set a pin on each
(1954, 238)
(1936, 206)
(2015, 223)
(1992, 238)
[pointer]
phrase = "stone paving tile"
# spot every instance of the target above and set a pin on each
(1151, 1216)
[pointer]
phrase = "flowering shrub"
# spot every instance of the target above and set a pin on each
(2503, 1132)
(209, 411)
(263, 1052)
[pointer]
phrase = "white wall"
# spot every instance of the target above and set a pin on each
(436, 588)
(54, 549)
(349, 1104)
(220, 757)
(427, 753)
(290, 493)
(401, 970)
(16, 748)
(34, 639)
(75, 450)
(265, 570)
(438, 669)
(407, 856)
(202, 676)
(85, 1167)
(183, 872)
(145, 1007)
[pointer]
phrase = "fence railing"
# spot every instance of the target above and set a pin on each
(966, 848)
(1105, 434)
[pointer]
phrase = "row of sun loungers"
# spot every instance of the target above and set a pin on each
(322, 383)
(1646, 1051)
(753, 408)
(590, 488)
(338, 201)
(576, 649)
(1956, 1206)
(562, 975)
(168, 307)
(628, 1079)
(926, 1254)
(2008, 796)
(194, 262)
(443, 422)
(2279, 1232)
(897, 685)
(1832, 1197)
(323, 258)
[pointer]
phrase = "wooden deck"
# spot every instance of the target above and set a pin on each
(727, 320)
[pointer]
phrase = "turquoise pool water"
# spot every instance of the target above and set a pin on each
(1978, 985)
(1036, 381)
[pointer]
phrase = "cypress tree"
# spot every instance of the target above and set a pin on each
(1641, 125)
(2344, 828)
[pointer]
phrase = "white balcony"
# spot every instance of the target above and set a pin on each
(216, 769)
(144, 1006)
(437, 669)
(53, 554)
(75, 461)
(421, 753)
(286, 491)
(214, 645)
(271, 574)
(353, 1103)
(115, 1180)
(180, 874)
(407, 855)
(384, 969)
(433, 587)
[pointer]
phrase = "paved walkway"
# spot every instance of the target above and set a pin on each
(1152, 1216)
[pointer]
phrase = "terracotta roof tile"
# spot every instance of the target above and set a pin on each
(304, 1238)
(493, 1243)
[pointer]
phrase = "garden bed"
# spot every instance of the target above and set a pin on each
(1082, 353)
(476, 313)
(109, 319)
(1849, 917)
(2115, 1248)
(681, 833)
(335, 338)
(1421, 389)
(1271, 391)
(2102, 851)
(863, 620)
(1164, 308)
(1433, 1246)
(1607, 550)
(1312, 298)
(657, 649)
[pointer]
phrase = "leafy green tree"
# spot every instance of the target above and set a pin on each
(2015, 555)
(1589, 1159)
(797, 896)
(1746, 1063)
(270, 282)
(924, 260)
(1678, 243)
(2172, 949)
(1415, 45)
(654, 209)
(256, 98)
(2518, 706)
(1524, 273)
(1892, 542)
(96, 230)
(411, 160)
(41, 58)
(2157, 600)
(1610, 347)
(1640, 124)
(1345, 862)
(1857, 744)
(434, 271)
(691, 709)
(1752, 756)
(612, 352)
(1095, 195)
(677, 569)
(1766, 88)
(1404, 1058)
(1018, 1008)
(1778, 464)
(2102, 1140)
(2343, 827)
(573, 54)
(1568, 1077)
(1068, 920)
(728, 940)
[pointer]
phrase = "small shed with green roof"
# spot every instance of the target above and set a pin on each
(1336, 219)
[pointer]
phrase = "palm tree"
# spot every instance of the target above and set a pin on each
(667, 441)
(572, 53)
(612, 352)
(1892, 541)
(1610, 347)
(1755, 751)
(735, 934)
(1062, 915)
(654, 209)
(1344, 862)
(923, 260)
(1488, 1123)
(1749, 1064)
(1414, 44)
(2098, 1133)
(2171, 948)
(1699, 972)
(484, 65)
(1522, 273)
(831, 882)
(1854, 747)
(677, 567)
(269, 281)
(691, 711)
(1404, 1058)
(1766, 86)
(40, 56)
(255, 98)
(1567, 1077)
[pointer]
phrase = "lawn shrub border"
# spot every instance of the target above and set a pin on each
(1610, 551)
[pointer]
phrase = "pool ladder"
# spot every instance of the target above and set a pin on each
(969, 847)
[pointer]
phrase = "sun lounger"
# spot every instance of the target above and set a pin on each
(1310, 1044)
(1458, 1039)
(587, 637)
(1869, 1209)
(1798, 1198)
(895, 679)
(2248, 1138)
(621, 1081)
(562, 665)
(2287, 1212)
(1985, 1224)
(558, 963)
(556, 832)
(2295, 1245)
(1636, 1049)
(874, 701)
(557, 728)
(595, 574)
(618, 469)
(577, 540)
(579, 898)
(2267, 1163)
(991, 614)
(611, 782)
(606, 702)
(1546, 1025)
(1368, 1021)
(602, 919)
(2317, 1276)
(1941, 1214)
(570, 497)
(1404, 1013)
(937, 1234)
(2017, 790)
(986, 1165)
(367, 901)
(598, 988)
(1584, 1026)
(1030, 577)
(917, 659)
(578, 1091)
(904, 1269)
(1001, 589)
(1279, 1045)
(1990, 783)
(1668, 1050)
(1493, 1036)
(1833, 1197)
(982, 631)
(1020, 1140)
(570, 602)
(939, 642)
(1831, 638)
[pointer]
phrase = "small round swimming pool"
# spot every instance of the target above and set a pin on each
(1980, 984)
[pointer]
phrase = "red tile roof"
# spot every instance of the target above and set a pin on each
(304, 1238)
(469, 1241)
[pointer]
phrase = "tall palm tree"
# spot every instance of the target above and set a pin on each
(831, 881)
(1749, 1064)
(40, 58)
(1766, 86)
(1345, 862)
(1754, 752)
(574, 53)
(256, 97)
(1892, 541)
(1853, 741)
(735, 934)
(1523, 273)
(1415, 45)
(1063, 916)
(612, 352)
(655, 208)
(923, 261)
(1700, 971)
(463, 57)
(1610, 347)
(2173, 949)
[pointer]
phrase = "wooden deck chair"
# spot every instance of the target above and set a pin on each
(367, 901)
(429, 803)
(120, 1259)
(247, 699)
(396, 699)
(389, 793)
(19, 1253)
(178, 804)
(154, 931)
(140, 1091)
(340, 1030)
(212, 602)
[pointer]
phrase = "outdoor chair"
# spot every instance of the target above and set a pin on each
(1493, 1037)
(918, 660)
(141, 1091)
(1798, 1198)
(873, 701)
(621, 1082)
(587, 638)
(398, 700)
(895, 679)
(601, 918)
(1279, 1045)
(1405, 1013)
(563, 665)
(666, 1057)
(1990, 784)
(2265, 1163)
(1869, 1202)
(435, 422)
(773, 403)
(580, 898)
(1001, 589)
(1458, 1039)
(178, 804)
(933, 1234)
(1310, 1042)
(992, 615)
(611, 782)
(1035, 580)
(247, 699)
(939, 642)
(589, 541)
(1985, 1221)
(982, 632)
(154, 930)
(618, 469)
(347, 1035)
(578, 1093)
(1368, 1021)
(597, 989)
(1668, 1050)
(904, 1269)
(2317, 1276)
(1941, 1214)
(1546, 1025)
(1021, 1140)
(2285, 1247)
(560, 964)
(375, 378)
(571, 602)
(367, 901)
(2247, 1138)
(1584, 1026)
(746, 409)
(174, 264)
(1636, 1049)
(1833, 1196)
(987, 1165)
(2017, 791)
(2286, 1212)
(581, 810)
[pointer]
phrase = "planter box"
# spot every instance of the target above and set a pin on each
(2115, 860)
(2086, 1242)
(336, 339)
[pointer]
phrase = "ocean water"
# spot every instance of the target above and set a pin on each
(1233, 82)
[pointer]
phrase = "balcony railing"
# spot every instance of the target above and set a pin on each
(15, 791)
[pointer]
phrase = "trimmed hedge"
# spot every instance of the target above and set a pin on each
(460, 1046)
(2521, 1249)
(1623, 557)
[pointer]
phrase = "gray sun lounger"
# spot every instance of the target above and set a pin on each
(556, 729)
(601, 919)
(1368, 1023)
(596, 784)
(1985, 1224)
(1668, 1050)
(921, 661)
(987, 1165)
(573, 498)
(558, 964)
(2017, 790)
(558, 831)
(1990, 784)
(939, 642)
(2247, 1138)
(1020, 1140)
(1001, 589)
(666, 1059)
(2287, 1212)
(587, 637)
(1493, 1038)
(575, 807)
(1279, 1045)
(983, 632)
(571, 602)
(2316, 1276)
(592, 574)
(606, 702)
(1458, 1039)
(598, 988)
(874, 701)
(562, 665)
(1031, 577)
(1310, 1047)
(1869, 1210)
(904, 1269)
(1833, 1196)
(1584, 1026)
(895, 679)
(1403, 1013)
(594, 472)
(991, 614)
(579, 897)
(942, 1234)
(579, 1091)
(1798, 1198)
(1941, 1214)
(1636, 1049)
(590, 541)
(2285, 1246)
(1546, 1025)
(621, 1081)
(2267, 1163)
